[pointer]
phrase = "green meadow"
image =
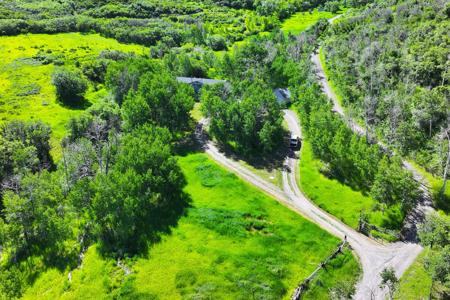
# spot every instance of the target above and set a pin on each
(26, 67)
(233, 243)
(303, 20)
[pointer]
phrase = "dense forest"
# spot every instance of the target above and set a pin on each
(390, 63)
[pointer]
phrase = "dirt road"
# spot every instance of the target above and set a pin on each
(374, 257)
(425, 203)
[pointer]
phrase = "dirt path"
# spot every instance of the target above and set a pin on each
(374, 257)
(425, 203)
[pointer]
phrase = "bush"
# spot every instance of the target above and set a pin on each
(70, 86)
(216, 42)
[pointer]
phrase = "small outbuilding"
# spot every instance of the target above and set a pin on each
(283, 95)
(198, 83)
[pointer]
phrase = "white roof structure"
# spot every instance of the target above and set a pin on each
(283, 94)
(202, 81)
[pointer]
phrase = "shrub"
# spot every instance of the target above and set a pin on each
(216, 42)
(70, 86)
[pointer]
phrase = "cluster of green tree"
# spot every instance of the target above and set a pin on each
(166, 24)
(282, 61)
(117, 183)
(390, 63)
(435, 234)
(250, 121)
(24, 149)
(351, 158)
(71, 85)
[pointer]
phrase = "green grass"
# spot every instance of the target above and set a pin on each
(333, 196)
(436, 186)
(196, 112)
(416, 282)
(329, 77)
(338, 270)
(234, 243)
(303, 20)
(272, 175)
(19, 73)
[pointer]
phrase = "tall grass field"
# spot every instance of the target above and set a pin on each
(26, 66)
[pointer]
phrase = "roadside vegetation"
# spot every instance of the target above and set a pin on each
(432, 268)
(390, 66)
(332, 195)
(416, 282)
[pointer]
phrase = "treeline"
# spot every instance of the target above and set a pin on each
(250, 122)
(390, 63)
(166, 24)
(353, 159)
(117, 183)
(282, 61)
(146, 31)
(434, 233)
(348, 157)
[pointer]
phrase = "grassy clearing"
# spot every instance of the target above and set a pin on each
(342, 268)
(26, 92)
(196, 112)
(416, 282)
(234, 243)
(303, 20)
(333, 196)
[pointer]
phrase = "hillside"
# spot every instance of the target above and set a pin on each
(389, 63)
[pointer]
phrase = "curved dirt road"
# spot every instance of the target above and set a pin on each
(374, 257)
(425, 203)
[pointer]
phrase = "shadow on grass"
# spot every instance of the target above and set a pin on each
(75, 103)
(442, 201)
(145, 233)
(258, 160)
(197, 142)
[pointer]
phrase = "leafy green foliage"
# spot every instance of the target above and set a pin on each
(34, 217)
(24, 148)
(393, 184)
(141, 193)
(160, 100)
(389, 280)
(70, 86)
(252, 121)
(435, 233)
(390, 64)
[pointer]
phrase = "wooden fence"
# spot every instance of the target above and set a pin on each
(299, 291)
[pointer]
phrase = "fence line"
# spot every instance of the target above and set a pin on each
(298, 292)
